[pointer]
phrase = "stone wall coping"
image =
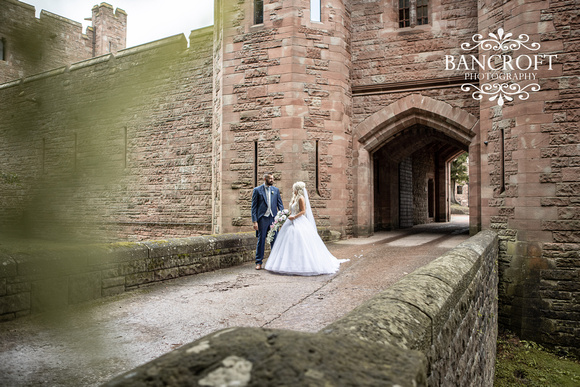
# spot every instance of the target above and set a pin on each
(9, 84)
(46, 14)
(266, 356)
(77, 259)
(45, 74)
(419, 302)
(201, 32)
(195, 244)
(179, 40)
(22, 4)
(90, 62)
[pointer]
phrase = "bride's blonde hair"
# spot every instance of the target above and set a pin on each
(297, 191)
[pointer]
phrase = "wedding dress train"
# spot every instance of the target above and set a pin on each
(299, 249)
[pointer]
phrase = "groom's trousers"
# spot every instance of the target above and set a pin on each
(263, 226)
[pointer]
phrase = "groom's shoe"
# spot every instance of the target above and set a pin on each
(259, 266)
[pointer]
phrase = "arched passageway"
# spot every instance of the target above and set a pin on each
(404, 155)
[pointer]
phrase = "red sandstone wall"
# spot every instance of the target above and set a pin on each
(110, 29)
(536, 214)
(115, 147)
(285, 86)
(404, 58)
(392, 63)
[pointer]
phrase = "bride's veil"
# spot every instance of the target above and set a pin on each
(309, 214)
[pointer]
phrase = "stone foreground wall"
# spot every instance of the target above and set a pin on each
(44, 277)
(34, 282)
(436, 327)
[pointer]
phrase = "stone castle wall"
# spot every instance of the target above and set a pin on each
(390, 63)
(285, 97)
(115, 147)
(531, 177)
(33, 46)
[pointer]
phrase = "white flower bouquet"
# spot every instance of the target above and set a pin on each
(279, 220)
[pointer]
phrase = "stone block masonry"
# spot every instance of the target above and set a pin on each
(117, 147)
(436, 327)
(285, 107)
(531, 180)
(51, 278)
(32, 46)
(43, 276)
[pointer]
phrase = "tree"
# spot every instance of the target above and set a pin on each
(459, 174)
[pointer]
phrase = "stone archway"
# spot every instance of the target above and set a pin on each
(422, 119)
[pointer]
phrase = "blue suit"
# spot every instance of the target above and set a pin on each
(259, 209)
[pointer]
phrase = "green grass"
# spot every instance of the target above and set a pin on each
(458, 209)
(525, 363)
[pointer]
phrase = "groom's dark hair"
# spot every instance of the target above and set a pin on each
(268, 174)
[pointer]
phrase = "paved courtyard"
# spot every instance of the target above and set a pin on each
(89, 344)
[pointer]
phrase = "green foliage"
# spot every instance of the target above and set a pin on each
(459, 169)
(526, 363)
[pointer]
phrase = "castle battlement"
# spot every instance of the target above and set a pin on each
(106, 6)
(179, 41)
(33, 45)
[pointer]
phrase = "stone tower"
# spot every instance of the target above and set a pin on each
(282, 104)
(530, 174)
(109, 29)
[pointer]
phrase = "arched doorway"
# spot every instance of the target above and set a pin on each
(404, 153)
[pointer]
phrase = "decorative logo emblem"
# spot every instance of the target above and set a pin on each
(500, 41)
(499, 66)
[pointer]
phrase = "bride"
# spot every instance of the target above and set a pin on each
(298, 248)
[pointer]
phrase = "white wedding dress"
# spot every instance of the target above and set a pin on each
(298, 248)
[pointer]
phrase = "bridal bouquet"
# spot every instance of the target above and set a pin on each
(279, 220)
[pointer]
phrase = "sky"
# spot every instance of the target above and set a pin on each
(147, 20)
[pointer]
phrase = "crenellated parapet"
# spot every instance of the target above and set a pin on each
(32, 45)
(109, 28)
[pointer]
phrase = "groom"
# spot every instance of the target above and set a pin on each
(266, 202)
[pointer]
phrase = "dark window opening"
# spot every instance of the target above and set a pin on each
(431, 197)
(125, 153)
(317, 179)
(404, 13)
(459, 190)
(258, 11)
(43, 157)
(255, 163)
(502, 160)
(2, 49)
(422, 12)
(75, 153)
